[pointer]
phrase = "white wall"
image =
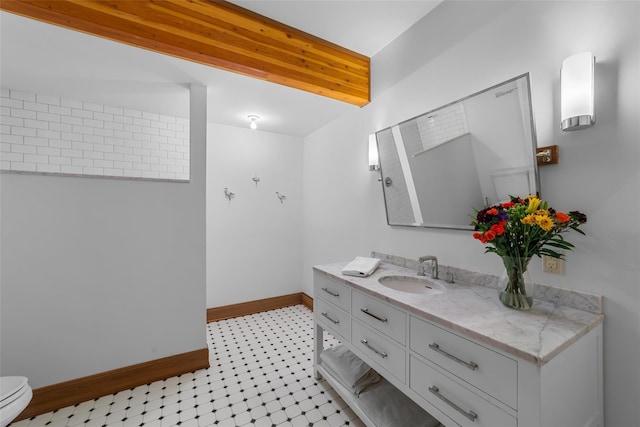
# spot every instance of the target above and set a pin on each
(463, 47)
(97, 273)
(254, 242)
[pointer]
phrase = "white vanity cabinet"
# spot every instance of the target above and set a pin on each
(460, 380)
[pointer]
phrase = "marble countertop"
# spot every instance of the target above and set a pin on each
(536, 335)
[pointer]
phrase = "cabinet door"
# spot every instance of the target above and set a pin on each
(459, 403)
(333, 319)
(379, 315)
(332, 291)
(379, 350)
(489, 371)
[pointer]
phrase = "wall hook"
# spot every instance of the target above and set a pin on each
(228, 194)
(282, 197)
(547, 155)
(256, 179)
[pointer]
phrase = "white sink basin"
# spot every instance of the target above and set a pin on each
(412, 284)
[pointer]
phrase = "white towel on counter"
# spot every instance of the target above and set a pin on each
(348, 369)
(386, 406)
(361, 266)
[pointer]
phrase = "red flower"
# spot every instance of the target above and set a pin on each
(508, 205)
(492, 211)
(489, 235)
(498, 228)
(477, 236)
(562, 217)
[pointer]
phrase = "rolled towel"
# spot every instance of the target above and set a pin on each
(352, 372)
(367, 380)
(361, 266)
(386, 406)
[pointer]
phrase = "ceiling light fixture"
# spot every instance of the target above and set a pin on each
(253, 125)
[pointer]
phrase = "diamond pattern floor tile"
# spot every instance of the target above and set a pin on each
(261, 375)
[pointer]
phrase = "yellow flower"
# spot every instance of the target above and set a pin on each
(544, 222)
(529, 219)
(534, 202)
(542, 212)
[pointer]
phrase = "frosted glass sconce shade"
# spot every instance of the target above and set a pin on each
(374, 161)
(577, 91)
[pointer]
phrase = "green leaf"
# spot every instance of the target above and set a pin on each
(561, 245)
(549, 252)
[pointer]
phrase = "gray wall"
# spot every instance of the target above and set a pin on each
(463, 47)
(97, 273)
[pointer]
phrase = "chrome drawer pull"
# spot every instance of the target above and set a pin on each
(378, 352)
(366, 311)
(470, 415)
(335, 322)
(333, 294)
(471, 365)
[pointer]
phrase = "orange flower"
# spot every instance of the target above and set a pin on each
(508, 205)
(562, 217)
(492, 211)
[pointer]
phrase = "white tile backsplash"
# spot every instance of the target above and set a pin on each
(47, 134)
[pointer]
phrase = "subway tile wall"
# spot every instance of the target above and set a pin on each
(45, 134)
(443, 126)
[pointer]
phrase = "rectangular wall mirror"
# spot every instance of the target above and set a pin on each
(437, 167)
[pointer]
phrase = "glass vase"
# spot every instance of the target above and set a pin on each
(513, 283)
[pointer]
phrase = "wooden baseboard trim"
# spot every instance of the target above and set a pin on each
(257, 306)
(56, 396)
(307, 301)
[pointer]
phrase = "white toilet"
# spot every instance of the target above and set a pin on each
(15, 395)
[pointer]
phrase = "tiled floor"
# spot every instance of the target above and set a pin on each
(261, 374)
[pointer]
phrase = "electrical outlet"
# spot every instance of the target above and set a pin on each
(552, 265)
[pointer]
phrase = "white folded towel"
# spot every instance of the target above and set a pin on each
(348, 369)
(361, 266)
(386, 406)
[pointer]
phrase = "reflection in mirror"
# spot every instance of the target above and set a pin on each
(468, 154)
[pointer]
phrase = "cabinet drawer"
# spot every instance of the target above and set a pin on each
(463, 406)
(333, 319)
(483, 368)
(332, 291)
(379, 350)
(380, 316)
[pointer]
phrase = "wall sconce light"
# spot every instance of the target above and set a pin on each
(253, 118)
(374, 160)
(577, 92)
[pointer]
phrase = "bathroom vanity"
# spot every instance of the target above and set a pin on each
(461, 355)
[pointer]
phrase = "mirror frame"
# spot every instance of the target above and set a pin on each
(534, 144)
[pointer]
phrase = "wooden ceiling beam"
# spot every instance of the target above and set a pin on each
(215, 33)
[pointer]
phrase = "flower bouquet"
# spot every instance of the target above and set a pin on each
(518, 229)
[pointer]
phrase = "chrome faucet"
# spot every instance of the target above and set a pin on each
(434, 269)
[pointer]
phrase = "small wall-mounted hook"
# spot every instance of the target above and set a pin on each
(256, 179)
(282, 197)
(228, 194)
